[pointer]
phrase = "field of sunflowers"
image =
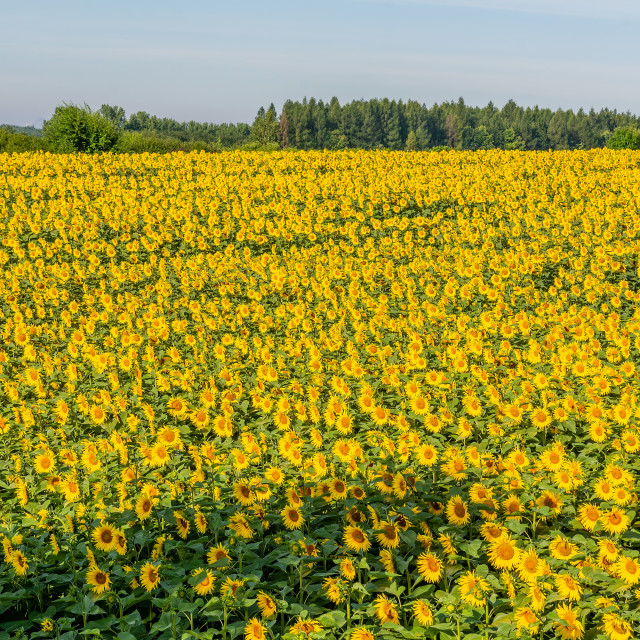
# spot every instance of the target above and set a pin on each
(351, 396)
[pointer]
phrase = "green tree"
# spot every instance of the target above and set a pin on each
(113, 114)
(624, 138)
(265, 127)
(75, 129)
(512, 140)
(412, 141)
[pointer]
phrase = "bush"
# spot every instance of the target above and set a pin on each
(12, 142)
(624, 138)
(75, 129)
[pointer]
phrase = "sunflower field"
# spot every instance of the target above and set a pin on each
(305, 395)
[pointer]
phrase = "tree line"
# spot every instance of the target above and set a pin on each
(314, 124)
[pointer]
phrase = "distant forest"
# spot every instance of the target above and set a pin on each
(368, 124)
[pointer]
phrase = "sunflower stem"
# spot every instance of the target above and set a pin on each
(486, 619)
(300, 598)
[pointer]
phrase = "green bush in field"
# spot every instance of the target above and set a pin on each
(624, 138)
(75, 129)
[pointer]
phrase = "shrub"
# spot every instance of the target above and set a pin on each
(74, 129)
(624, 138)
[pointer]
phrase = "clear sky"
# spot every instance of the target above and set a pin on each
(214, 61)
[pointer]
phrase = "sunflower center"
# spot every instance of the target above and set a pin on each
(505, 551)
(432, 564)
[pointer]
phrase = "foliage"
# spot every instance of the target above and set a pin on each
(624, 138)
(265, 127)
(76, 129)
(12, 141)
(308, 395)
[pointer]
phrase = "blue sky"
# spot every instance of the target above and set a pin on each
(220, 61)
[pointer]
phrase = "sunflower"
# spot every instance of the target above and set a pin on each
(491, 531)
(561, 549)
(456, 468)
(457, 511)
(182, 524)
(426, 455)
(551, 501)
(429, 567)
(361, 633)
(608, 551)
(527, 620)
(551, 459)
(615, 521)
(503, 553)
(255, 630)
(150, 576)
(630, 441)
(386, 559)
(355, 517)
(588, 515)
(219, 556)
(292, 518)
(45, 462)
(70, 489)
(569, 627)
(177, 407)
(530, 567)
(98, 579)
(305, 626)
(337, 489)
(422, 613)
(628, 569)
(473, 589)
(540, 418)
(206, 585)
(274, 475)
(97, 414)
(243, 493)
(144, 505)
(159, 455)
(238, 522)
(356, 539)
(615, 627)
(19, 562)
(399, 485)
(622, 497)
(385, 610)
(170, 437)
(120, 542)
(104, 537)
(537, 598)
(567, 587)
(387, 535)
(266, 605)
(347, 569)
(332, 589)
(420, 405)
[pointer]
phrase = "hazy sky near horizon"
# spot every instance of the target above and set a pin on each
(220, 61)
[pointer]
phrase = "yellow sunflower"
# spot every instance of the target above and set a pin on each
(98, 579)
(356, 539)
(429, 567)
(150, 576)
